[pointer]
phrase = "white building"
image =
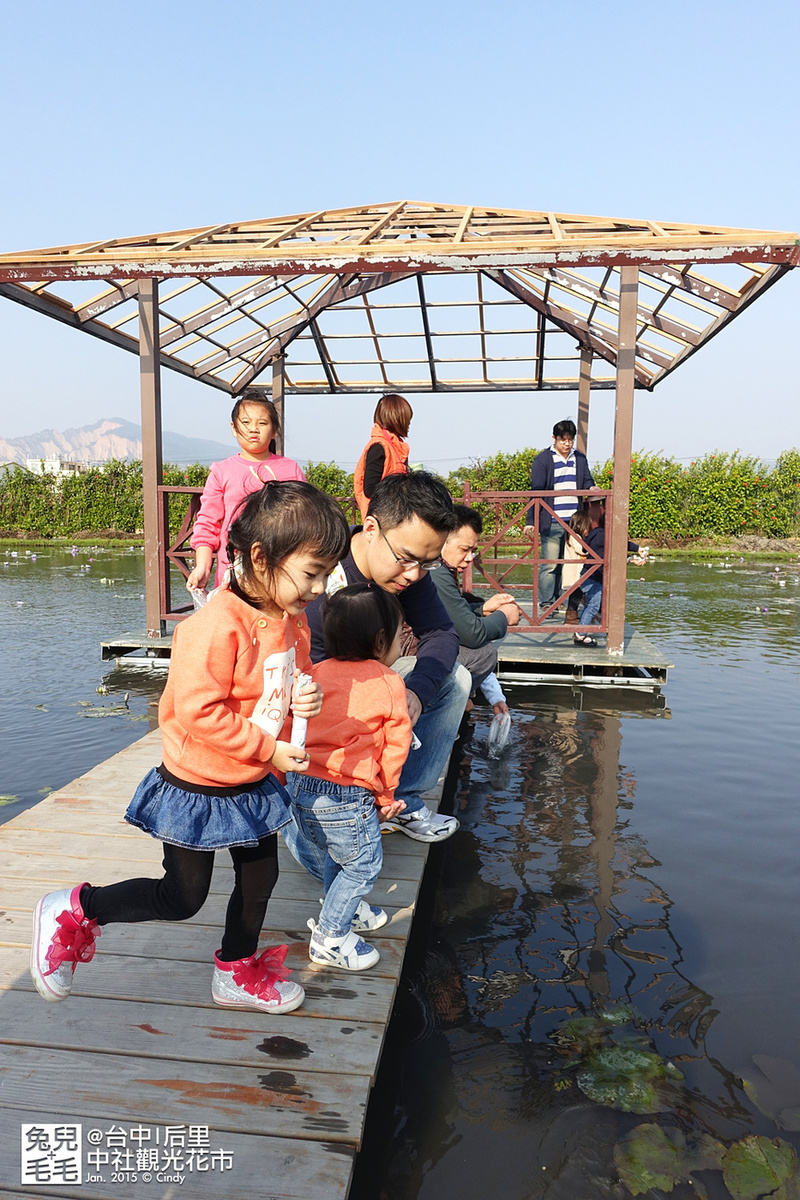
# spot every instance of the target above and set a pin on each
(54, 466)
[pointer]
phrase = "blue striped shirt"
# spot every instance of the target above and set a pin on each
(564, 477)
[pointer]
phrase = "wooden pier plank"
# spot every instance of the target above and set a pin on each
(192, 1033)
(364, 997)
(101, 1053)
(187, 941)
(280, 1102)
(284, 1168)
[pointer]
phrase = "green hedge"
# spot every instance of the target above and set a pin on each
(107, 497)
(720, 494)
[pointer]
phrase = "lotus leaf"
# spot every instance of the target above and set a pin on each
(758, 1166)
(647, 1159)
(653, 1157)
(631, 1080)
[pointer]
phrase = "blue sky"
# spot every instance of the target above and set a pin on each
(129, 118)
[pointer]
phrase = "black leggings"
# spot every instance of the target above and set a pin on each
(183, 890)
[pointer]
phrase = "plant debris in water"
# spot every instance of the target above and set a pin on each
(616, 1065)
(628, 1078)
(652, 1157)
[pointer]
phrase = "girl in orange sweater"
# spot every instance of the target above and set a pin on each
(356, 752)
(224, 723)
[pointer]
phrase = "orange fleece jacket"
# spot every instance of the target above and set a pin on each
(231, 666)
(363, 734)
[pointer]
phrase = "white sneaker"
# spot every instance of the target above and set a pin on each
(257, 982)
(63, 936)
(422, 825)
(367, 917)
(348, 952)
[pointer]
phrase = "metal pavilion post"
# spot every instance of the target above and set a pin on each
(277, 400)
(152, 466)
(617, 535)
(584, 388)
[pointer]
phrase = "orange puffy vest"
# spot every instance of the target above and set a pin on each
(395, 462)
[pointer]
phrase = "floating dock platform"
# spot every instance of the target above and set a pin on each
(550, 656)
(237, 1103)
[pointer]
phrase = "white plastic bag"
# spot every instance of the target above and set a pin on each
(199, 597)
(499, 733)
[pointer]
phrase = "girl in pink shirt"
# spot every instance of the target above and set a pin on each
(255, 424)
(224, 719)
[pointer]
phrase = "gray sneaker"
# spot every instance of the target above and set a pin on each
(422, 825)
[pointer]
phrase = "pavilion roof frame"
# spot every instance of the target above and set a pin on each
(350, 300)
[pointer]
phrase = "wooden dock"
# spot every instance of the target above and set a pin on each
(550, 656)
(140, 1051)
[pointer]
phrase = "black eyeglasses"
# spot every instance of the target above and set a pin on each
(429, 565)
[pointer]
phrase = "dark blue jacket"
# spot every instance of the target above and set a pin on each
(596, 538)
(543, 480)
(437, 647)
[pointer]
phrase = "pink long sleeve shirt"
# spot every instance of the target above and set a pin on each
(228, 483)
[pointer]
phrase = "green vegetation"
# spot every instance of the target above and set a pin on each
(718, 496)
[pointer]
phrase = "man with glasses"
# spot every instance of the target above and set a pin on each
(479, 623)
(400, 542)
(559, 468)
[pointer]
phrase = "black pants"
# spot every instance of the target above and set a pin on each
(183, 890)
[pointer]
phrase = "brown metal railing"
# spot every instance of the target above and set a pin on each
(508, 514)
(175, 551)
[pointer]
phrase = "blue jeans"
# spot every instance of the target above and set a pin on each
(593, 595)
(437, 729)
(550, 573)
(339, 827)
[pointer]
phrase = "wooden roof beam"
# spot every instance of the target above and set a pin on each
(379, 226)
(343, 288)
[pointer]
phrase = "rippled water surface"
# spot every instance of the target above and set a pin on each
(623, 863)
(615, 933)
(55, 608)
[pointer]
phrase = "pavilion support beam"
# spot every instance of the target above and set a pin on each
(617, 535)
(278, 386)
(152, 463)
(584, 388)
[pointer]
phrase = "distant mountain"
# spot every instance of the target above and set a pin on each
(111, 438)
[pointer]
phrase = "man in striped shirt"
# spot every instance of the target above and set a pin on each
(561, 468)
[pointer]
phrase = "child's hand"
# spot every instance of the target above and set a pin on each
(198, 579)
(392, 809)
(287, 757)
(308, 702)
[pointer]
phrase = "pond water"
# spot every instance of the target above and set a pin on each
(624, 895)
(57, 606)
(612, 957)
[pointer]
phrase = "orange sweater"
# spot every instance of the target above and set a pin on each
(363, 734)
(231, 666)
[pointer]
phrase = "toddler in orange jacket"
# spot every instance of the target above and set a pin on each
(356, 752)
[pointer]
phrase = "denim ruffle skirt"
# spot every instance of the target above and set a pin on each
(200, 822)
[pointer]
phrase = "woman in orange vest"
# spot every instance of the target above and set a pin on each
(386, 452)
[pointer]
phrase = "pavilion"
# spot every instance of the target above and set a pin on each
(411, 297)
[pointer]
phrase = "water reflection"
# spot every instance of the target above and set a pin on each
(548, 909)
